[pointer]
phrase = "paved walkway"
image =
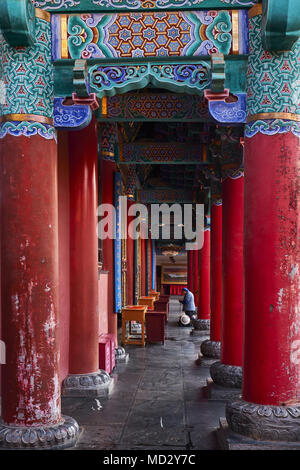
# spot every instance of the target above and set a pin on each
(157, 401)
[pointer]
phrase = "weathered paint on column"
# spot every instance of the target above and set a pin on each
(108, 169)
(204, 278)
(232, 269)
(272, 276)
(31, 409)
(83, 251)
(270, 407)
(29, 254)
(216, 271)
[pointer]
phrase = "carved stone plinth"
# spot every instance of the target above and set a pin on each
(211, 349)
(202, 325)
(264, 422)
(205, 361)
(59, 436)
(213, 391)
(229, 440)
(97, 384)
(226, 375)
(121, 355)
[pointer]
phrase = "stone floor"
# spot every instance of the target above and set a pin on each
(157, 402)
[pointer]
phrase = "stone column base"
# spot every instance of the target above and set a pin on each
(211, 349)
(201, 325)
(121, 355)
(213, 391)
(228, 440)
(226, 375)
(264, 422)
(97, 384)
(59, 436)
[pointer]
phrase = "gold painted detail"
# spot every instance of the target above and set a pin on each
(64, 37)
(43, 15)
(27, 117)
(286, 116)
(235, 32)
(255, 11)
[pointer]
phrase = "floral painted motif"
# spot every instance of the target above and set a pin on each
(126, 35)
(162, 106)
(27, 74)
(27, 129)
(273, 84)
(106, 80)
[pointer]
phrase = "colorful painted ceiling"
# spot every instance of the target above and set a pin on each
(154, 106)
(162, 152)
(160, 34)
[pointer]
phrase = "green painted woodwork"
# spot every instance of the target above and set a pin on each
(27, 74)
(236, 67)
(273, 77)
(114, 6)
(80, 78)
(218, 75)
(280, 24)
(17, 22)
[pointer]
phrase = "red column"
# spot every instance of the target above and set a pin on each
(272, 279)
(272, 315)
(212, 347)
(195, 282)
(271, 382)
(29, 276)
(190, 254)
(228, 372)
(204, 280)
(108, 169)
(85, 379)
(130, 261)
(143, 267)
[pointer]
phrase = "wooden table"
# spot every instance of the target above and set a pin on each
(135, 313)
(154, 293)
(147, 300)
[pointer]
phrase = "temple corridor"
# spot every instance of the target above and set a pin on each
(149, 162)
(157, 401)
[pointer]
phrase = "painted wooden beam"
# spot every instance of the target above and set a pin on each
(74, 6)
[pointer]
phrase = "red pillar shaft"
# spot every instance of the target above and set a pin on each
(195, 275)
(143, 267)
(204, 278)
(232, 271)
(29, 264)
(272, 289)
(83, 251)
(216, 272)
(130, 261)
(190, 269)
(108, 169)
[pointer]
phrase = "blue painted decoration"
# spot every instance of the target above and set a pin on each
(117, 245)
(153, 265)
(74, 117)
(231, 112)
